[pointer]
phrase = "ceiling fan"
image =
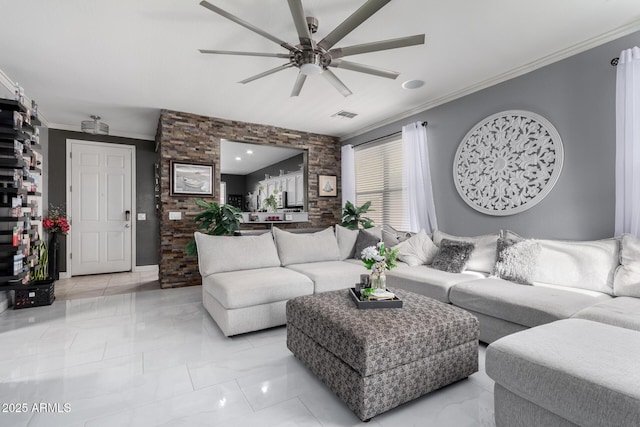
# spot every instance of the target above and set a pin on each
(312, 57)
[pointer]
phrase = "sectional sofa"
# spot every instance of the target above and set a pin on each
(247, 280)
(563, 350)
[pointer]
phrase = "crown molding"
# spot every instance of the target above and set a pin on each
(546, 60)
(10, 86)
(131, 135)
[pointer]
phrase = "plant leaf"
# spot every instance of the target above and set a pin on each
(191, 249)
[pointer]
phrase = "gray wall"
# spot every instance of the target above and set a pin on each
(288, 165)
(236, 184)
(147, 232)
(577, 95)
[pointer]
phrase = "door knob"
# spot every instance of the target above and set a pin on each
(127, 225)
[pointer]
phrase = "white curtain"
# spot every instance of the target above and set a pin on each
(348, 175)
(416, 179)
(628, 143)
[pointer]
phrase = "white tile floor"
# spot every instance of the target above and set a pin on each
(106, 284)
(156, 358)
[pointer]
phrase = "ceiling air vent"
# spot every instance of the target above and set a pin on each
(344, 115)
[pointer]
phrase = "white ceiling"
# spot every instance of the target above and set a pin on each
(125, 60)
(260, 157)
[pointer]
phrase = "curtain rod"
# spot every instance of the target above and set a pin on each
(425, 123)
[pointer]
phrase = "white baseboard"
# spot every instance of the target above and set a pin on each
(137, 269)
(141, 268)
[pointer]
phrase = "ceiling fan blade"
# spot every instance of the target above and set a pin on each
(347, 65)
(377, 46)
(267, 73)
(248, 26)
(298, 86)
(336, 82)
(300, 21)
(357, 18)
(230, 52)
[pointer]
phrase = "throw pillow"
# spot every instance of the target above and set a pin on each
(483, 256)
(516, 260)
(240, 253)
(365, 239)
(391, 236)
(300, 248)
(347, 240)
(589, 265)
(452, 256)
(627, 278)
(417, 250)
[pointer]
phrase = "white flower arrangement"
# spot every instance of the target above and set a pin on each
(378, 258)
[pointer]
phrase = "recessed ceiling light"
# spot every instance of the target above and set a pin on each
(238, 158)
(249, 151)
(412, 84)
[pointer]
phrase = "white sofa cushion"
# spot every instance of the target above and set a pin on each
(347, 239)
(587, 265)
(217, 254)
(417, 250)
(525, 305)
(627, 277)
(301, 248)
(331, 275)
(483, 257)
(428, 281)
(246, 288)
(582, 372)
(622, 311)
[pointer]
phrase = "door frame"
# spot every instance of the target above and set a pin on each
(134, 187)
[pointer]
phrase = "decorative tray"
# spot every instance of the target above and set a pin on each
(364, 303)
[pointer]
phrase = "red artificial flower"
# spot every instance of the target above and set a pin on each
(56, 221)
(63, 224)
(48, 223)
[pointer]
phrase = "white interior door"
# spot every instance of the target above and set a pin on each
(101, 208)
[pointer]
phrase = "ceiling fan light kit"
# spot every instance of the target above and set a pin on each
(313, 58)
(94, 126)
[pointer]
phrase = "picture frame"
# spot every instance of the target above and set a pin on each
(191, 179)
(327, 186)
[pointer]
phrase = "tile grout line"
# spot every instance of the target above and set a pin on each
(310, 411)
(245, 396)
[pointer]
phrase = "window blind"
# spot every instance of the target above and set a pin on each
(379, 180)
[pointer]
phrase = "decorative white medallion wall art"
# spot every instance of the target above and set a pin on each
(508, 162)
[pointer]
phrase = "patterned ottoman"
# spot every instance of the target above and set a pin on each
(375, 360)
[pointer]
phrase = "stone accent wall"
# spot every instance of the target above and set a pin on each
(192, 138)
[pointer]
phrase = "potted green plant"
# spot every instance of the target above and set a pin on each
(215, 220)
(271, 203)
(352, 216)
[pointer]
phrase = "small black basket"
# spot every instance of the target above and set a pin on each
(35, 294)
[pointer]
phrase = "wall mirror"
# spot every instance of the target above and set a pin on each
(251, 173)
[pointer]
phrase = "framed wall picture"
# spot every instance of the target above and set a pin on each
(191, 179)
(327, 186)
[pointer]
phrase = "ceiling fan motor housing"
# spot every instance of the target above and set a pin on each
(313, 58)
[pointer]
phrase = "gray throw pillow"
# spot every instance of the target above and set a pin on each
(391, 236)
(452, 256)
(365, 239)
(516, 259)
